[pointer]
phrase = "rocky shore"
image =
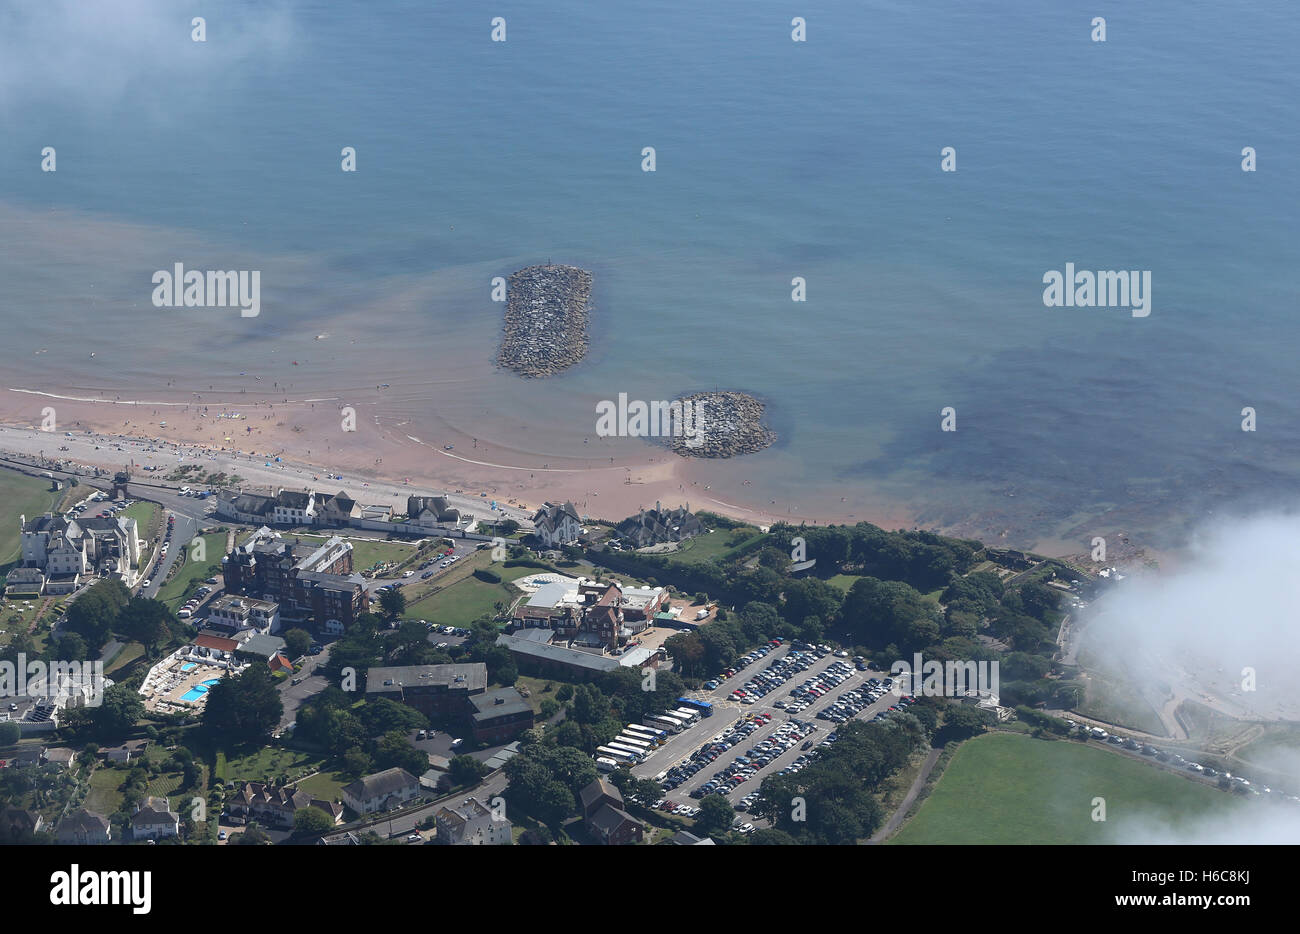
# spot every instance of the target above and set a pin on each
(731, 424)
(546, 320)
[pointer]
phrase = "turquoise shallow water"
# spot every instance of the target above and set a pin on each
(775, 159)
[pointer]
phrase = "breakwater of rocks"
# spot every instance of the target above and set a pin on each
(731, 424)
(546, 320)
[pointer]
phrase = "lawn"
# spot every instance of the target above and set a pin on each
(367, 552)
(1002, 788)
(463, 597)
(192, 573)
(20, 495)
(147, 516)
(843, 582)
(103, 796)
(268, 763)
(328, 786)
(717, 545)
(128, 653)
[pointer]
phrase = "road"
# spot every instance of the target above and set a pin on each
(294, 696)
(185, 530)
(113, 452)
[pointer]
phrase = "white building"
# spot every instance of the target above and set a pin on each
(557, 525)
(382, 791)
(471, 824)
(237, 614)
(67, 550)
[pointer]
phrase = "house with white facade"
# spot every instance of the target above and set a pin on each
(154, 819)
(557, 525)
(470, 823)
(381, 791)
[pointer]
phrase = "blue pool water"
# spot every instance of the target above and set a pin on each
(198, 690)
(188, 666)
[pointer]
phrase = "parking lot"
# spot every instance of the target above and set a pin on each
(799, 697)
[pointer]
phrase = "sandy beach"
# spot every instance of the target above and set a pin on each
(379, 461)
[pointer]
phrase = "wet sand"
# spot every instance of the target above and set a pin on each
(617, 478)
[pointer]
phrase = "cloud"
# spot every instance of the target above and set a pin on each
(1228, 611)
(97, 55)
(1196, 631)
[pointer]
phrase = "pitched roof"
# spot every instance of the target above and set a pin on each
(83, 821)
(154, 810)
(593, 792)
(380, 784)
(609, 819)
(549, 517)
(216, 642)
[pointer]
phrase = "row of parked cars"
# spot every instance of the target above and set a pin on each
(815, 688)
(774, 676)
(743, 768)
(193, 602)
(798, 765)
(712, 749)
(743, 662)
(445, 630)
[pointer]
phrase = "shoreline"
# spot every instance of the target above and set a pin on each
(379, 456)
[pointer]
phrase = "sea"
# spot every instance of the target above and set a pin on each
(775, 160)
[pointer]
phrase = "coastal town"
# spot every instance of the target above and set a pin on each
(317, 667)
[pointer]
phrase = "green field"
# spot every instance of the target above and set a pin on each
(463, 597)
(20, 495)
(268, 763)
(328, 786)
(147, 516)
(1002, 788)
(717, 545)
(192, 573)
(367, 552)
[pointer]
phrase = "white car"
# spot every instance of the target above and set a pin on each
(146, 583)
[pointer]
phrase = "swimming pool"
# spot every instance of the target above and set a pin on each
(199, 690)
(189, 666)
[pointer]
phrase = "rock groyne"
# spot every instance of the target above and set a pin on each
(731, 424)
(546, 320)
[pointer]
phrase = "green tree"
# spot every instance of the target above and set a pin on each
(716, 815)
(146, 621)
(10, 733)
(311, 822)
(297, 642)
(393, 603)
(962, 722)
(466, 770)
(394, 750)
(244, 708)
